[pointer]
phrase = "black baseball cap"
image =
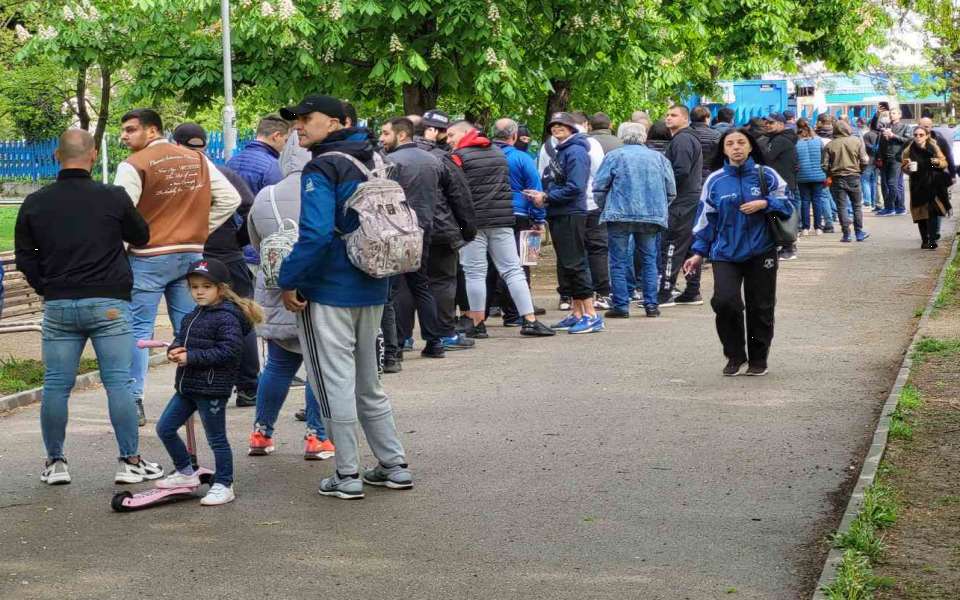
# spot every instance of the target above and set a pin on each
(190, 135)
(563, 118)
(436, 118)
(775, 117)
(321, 103)
(212, 269)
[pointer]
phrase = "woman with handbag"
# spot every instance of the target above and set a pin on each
(924, 162)
(810, 180)
(744, 215)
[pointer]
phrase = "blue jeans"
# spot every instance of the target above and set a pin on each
(213, 415)
(810, 196)
(892, 183)
(829, 208)
(67, 325)
(621, 263)
(868, 181)
(155, 277)
(275, 380)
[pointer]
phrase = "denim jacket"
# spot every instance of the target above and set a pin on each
(635, 184)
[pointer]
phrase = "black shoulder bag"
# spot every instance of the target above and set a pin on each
(784, 230)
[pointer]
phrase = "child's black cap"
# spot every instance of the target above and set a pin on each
(212, 269)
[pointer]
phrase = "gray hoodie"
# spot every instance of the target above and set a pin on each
(279, 324)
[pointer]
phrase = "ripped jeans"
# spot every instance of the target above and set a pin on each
(213, 415)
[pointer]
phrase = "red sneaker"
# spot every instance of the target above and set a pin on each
(316, 449)
(260, 445)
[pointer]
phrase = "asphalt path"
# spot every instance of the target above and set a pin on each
(616, 465)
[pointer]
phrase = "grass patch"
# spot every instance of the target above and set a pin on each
(927, 346)
(20, 375)
(8, 218)
(945, 297)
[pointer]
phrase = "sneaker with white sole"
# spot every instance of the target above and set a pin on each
(218, 494)
(179, 480)
(55, 472)
(395, 478)
(138, 473)
(348, 488)
(602, 302)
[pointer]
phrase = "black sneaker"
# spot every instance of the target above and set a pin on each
(539, 311)
(565, 303)
(513, 322)
(141, 416)
(757, 370)
(392, 366)
(246, 398)
(666, 300)
(478, 332)
(734, 366)
(300, 415)
(652, 310)
(536, 329)
(464, 324)
(685, 299)
(496, 311)
(434, 350)
(616, 313)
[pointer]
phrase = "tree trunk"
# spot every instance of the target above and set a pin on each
(417, 98)
(104, 111)
(82, 113)
(557, 101)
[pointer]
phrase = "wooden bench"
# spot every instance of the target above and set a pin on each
(21, 305)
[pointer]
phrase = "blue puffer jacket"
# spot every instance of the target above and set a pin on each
(809, 152)
(565, 180)
(213, 337)
(258, 165)
(636, 185)
(318, 267)
(722, 231)
(523, 176)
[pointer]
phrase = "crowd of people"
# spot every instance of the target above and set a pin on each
(258, 249)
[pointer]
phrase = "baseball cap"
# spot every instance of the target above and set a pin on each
(212, 269)
(563, 118)
(190, 135)
(789, 114)
(321, 103)
(775, 117)
(436, 118)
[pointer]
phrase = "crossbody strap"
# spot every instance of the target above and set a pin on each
(276, 211)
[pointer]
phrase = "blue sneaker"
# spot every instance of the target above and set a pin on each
(588, 325)
(900, 212)
(567, 323)
(846, 238)
(408, 344)
(862, 236)
(884, 213)
(457, 342)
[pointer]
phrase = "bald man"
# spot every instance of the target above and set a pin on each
(69, 241)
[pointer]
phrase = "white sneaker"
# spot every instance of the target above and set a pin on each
(218, 494)
(56, 473)
(179, 480)
(138, 473)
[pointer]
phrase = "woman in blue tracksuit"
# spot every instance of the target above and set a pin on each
(732, 230)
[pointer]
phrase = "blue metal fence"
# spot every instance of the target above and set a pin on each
(35, 160)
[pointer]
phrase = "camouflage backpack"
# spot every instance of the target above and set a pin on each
(389, 240)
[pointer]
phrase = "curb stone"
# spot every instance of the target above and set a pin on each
(86, 380)
(879, 444)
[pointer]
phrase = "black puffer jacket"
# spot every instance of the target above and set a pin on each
(454, 217)
(686, 156)
(213, 337)
(781, 154)
(488, 176)
(709, 145)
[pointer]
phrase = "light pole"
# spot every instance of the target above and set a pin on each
(229, 115)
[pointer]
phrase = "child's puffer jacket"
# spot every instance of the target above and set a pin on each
(213, 337)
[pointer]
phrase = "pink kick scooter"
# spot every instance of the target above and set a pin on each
(128, 501)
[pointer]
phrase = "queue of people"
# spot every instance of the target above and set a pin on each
(258, 248)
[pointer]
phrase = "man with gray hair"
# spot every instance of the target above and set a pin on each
(642, 117)
(523, 176)
(634, 188)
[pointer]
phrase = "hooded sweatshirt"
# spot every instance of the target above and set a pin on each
(488, 176)
(845, 155)
(781, 154)
(686, 155)
(565, 179)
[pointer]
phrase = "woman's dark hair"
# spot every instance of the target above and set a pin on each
(659, 131)
(755, 153)
(804, 131)
(756, 124)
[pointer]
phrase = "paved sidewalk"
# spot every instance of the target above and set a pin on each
(619, 465)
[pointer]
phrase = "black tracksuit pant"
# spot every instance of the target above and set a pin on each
(419, 285)
(567, 233)
(758, 278)
(442, 274)
(598, 254)
(674, 250)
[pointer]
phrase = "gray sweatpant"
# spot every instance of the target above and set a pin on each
(502, 247)
(340, 353)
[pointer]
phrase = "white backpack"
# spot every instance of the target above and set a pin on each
(389, 240)
(277, 246)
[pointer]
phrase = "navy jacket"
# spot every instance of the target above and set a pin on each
(723, 232)
(565, 180)
(318, 267)
(213, 337)
(258, 164)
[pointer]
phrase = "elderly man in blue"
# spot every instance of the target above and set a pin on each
(634, 187)
(339, 306)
